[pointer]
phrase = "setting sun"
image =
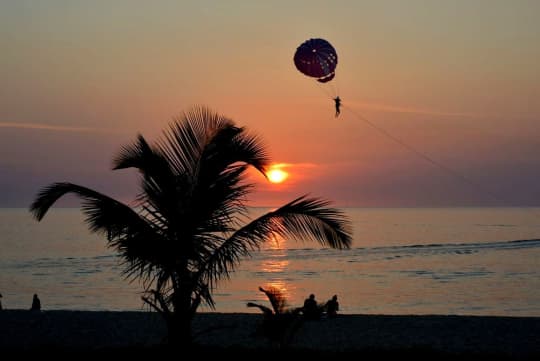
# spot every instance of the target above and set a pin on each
(277, 175)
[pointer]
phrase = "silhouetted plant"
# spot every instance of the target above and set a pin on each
(280, 322)
(184, 232)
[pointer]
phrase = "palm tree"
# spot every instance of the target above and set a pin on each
(277, 300)
(280, 322)
(184, 232)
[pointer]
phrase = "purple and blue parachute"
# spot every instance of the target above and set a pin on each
(316, 58)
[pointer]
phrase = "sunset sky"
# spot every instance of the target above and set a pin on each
(457, 82)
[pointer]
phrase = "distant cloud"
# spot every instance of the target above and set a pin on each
(58, 128)
(425, 111)
(295, 165)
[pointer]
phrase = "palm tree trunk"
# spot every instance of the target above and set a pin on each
(180, 322)
(179, 329)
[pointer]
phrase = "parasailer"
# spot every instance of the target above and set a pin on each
(337, 100)
(318, 59)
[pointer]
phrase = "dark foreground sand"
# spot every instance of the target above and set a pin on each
(485, 337)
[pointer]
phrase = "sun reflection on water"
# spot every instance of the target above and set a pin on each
(277, 266)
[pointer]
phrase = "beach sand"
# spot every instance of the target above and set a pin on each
(499, 337)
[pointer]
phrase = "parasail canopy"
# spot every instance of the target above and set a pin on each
(316, 58)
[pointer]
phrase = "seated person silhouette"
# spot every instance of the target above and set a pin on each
(311, 310)
(332, 306)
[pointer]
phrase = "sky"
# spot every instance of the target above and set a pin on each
(441, 99)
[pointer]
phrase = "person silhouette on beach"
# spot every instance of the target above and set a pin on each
(36, 303)
(337, 100)
(332, 306)
(311, 309)
(0, 302)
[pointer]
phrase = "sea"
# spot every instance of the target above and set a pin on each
(406, 261)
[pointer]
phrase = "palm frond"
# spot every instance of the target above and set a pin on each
(252, 151)
(302, 219)
(265, 310)
(187, 137)
(133, 236)
(312, 219)
(137, 155)
(159, 183)
(277, 299)
(232, 145)
(47, 196)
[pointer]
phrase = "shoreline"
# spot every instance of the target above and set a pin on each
(512, 337)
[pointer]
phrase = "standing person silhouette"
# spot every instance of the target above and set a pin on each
(337, 100)
(36, 303)
(0, 302)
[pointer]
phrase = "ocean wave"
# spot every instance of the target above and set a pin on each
(394, 252)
